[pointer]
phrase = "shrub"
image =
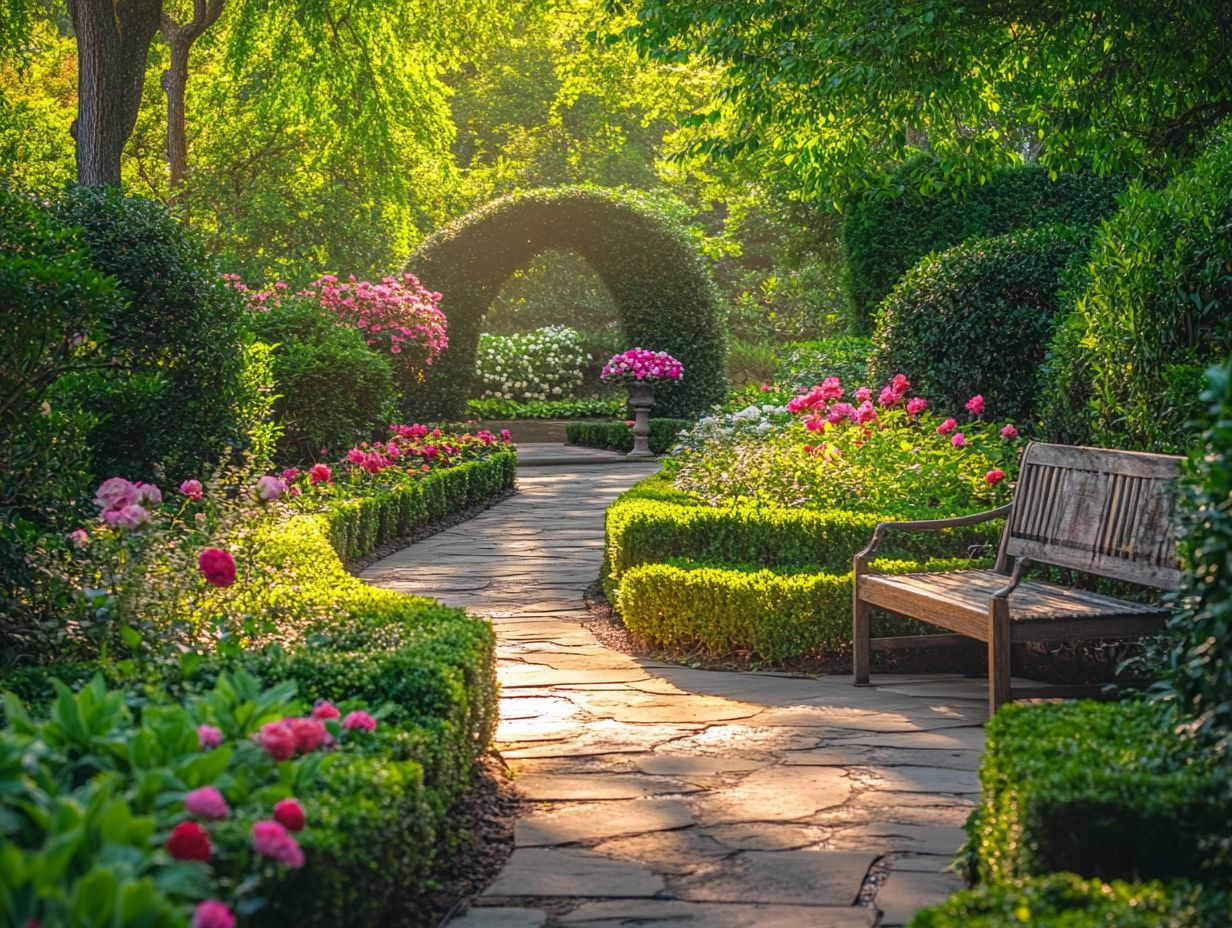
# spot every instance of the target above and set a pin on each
(618, 436)
(1155, 311)
(977, 318)
(540, 365)
(1202, 659)
(886, 232)
(666, 298)
(1067, 901)
(332, 391)
(686, 605)
(170, 402)
(1101, 790)
(545, 409)
(807, 363)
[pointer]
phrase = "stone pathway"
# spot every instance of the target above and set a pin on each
(664, 796)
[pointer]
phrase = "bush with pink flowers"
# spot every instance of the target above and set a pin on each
(641, 365)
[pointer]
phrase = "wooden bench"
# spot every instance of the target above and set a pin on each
(1096, 511)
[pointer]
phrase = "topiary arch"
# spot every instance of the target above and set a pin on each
(664, 292)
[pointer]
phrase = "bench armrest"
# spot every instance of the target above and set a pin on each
(927, 525)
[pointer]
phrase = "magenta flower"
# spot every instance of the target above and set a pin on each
(916, 405)
(309, 734)
(131, 517)
(208, 737)
(212, 914)
(640, 364)
(116, 493)
(289, 814)
(324, 709)
(994, 476)
(863, 395)
(217, 566)
(359, 719)
(79, 537)
(959, 440)
(272, 840)
(866, 413)
(975, 405)
(320, 473)
(831, 389)
(192, 489)
(277, 739)
(947, 426)
(1009, 432)
(206, 802)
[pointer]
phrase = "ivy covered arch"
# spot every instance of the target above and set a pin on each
(663, 290)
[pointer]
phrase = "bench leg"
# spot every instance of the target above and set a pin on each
(999, 671)
(860, 634)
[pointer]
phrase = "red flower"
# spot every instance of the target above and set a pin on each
(324, 709)
(289, 814)
(217, 566)
(309, 734)
(189, 841)
(993, 477)
(278, 739)
(320, 473)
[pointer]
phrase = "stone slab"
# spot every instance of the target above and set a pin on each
(776, 794)
(906, 892)
(679, 914)
(545, 872)
(807, 878)
(594, 821)
(594, 787)
(500, 917)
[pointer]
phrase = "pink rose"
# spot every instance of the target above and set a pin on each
(916, 405)
(292, 472)
(831, 389)
(272, 840)
(116, 493)
(212, 914)
(900, 384)
(269, 488)
(148, 494)
(888, 397)
(359, 719)
(505, 435)
(309, 734)
(975, 405)
(863, 395)
(947, 426)
(840, 411)
(866, 413)
(206, 802)
(217, 566)
(289, 814)
(1009, 432)
(208, 737)
(278, 740)
(319, 473)
(958, 440)
(324, 709)
(192, 489)
(993, 477)
(79, 537)
(130, 517)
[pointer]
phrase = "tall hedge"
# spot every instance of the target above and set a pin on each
(885, 233)
(977, 319)
(1156, 310)
(665, 295)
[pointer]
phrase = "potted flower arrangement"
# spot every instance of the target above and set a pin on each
(639, 369)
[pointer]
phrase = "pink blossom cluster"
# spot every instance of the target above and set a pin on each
(639, 364)
(287, 737)
(126, 505)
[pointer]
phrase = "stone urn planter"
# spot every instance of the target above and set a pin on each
(641, 398)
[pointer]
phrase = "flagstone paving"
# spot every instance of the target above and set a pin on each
(666, 796)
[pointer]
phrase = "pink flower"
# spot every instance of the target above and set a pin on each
(212, 914)
(916, 405)
(309, 734)
(958, 440)
(993, 477)
(359, 719)
(975, 405)
(208, 737)
(947, 426)
(900, 384)
(116, 493)
(320, 473)
(79, 537)
(831, 389)
(815, 423)
(289, 814)
(278, 740)
(217, 566)
(269, 488)
(272, 840)
(290, 473)
(840, 411)
(766, 388)
(130, 517)
(1009, 432)
(192, 489)
(206, 802)
(148, 494)
(866, 413)
(324, 709)
(888, 397)
(863, 395)
(505, 435)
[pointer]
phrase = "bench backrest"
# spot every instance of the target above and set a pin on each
(1096, 510)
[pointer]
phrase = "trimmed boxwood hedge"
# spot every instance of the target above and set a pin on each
(1101, 790)
(1068, 901)
(617, 436)
(664, 291)
(885, 233)
(977, 319)
(1126, 366)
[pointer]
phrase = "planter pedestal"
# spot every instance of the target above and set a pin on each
(641, 398)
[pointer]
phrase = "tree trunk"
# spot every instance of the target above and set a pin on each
(113, 43)
(180, 38)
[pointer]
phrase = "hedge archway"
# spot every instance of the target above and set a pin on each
(665, 294)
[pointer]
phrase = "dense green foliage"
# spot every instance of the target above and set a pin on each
(887, 231)
(618, 436)
(833, 90)
(1202, 662)
(1068, 901)
(333, 391)
(1147, 810)
(976, 319)
(666, 298)
(1126, 367)
(806, 364)
(169, 400)
(545, 409)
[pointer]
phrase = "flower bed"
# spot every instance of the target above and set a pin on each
(546, 364)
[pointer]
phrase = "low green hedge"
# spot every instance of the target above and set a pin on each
(545, 409)
(357, 527)
(1067, 901)
(383, 819)
(1102, 790)
(617, 436)
(720, 610)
